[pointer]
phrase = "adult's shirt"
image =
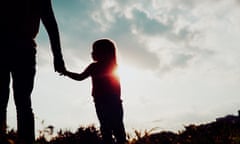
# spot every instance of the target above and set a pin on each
(19, 26)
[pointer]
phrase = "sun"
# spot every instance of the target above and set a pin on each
(125, 72)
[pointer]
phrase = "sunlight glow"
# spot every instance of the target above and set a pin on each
(126, 73)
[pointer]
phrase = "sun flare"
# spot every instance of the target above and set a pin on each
(126, 73)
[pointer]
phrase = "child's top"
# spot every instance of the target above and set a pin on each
(105, 82)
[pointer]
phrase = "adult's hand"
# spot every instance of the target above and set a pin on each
(59, 65)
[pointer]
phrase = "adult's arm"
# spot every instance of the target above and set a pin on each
(50, 24)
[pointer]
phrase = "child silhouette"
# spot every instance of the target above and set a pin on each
(106, 90)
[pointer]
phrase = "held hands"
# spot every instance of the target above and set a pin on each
(59, 65)
(65, 73)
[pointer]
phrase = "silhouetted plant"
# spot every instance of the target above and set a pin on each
(224, 131)
(83, 135)
(9, 138)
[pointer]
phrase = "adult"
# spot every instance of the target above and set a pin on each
(20, 20)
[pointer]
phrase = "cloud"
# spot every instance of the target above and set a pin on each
(81, 23)
(106, 20)
(189, 40)
(155, 35)
(148, 25)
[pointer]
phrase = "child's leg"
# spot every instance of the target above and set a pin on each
(105, 126)
(106, 135)
(119, 133)
(117, 123)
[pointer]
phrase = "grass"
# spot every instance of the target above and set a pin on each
(224, 131)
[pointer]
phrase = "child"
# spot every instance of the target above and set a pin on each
(106, 90)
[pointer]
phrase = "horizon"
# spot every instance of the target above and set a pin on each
(179, 62)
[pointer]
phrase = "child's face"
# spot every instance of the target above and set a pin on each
(94, 57)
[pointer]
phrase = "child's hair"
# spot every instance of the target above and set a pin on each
(105, 50)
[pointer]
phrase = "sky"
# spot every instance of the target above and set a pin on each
(179, 62)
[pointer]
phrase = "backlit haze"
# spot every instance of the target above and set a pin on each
(179, 62)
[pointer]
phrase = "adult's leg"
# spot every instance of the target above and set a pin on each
(23, 80)
(4, 96)
(23, 74)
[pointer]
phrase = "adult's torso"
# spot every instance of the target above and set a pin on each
(20, 20)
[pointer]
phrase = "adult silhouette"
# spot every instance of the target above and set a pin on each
(20, 20)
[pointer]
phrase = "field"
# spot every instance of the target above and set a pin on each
(224, 130)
